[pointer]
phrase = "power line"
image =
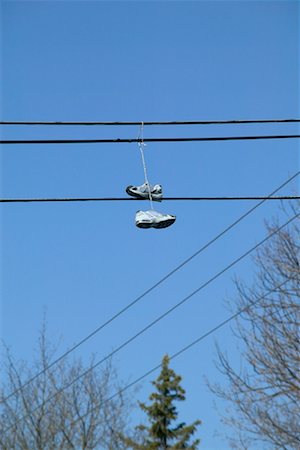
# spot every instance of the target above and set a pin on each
(154, 286)
(158, 319)
(190, 122)
(123, 199)
(129, 141)
(184, 349)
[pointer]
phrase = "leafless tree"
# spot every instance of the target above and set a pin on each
(264, 393)
(43, 416)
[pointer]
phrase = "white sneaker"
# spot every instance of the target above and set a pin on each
(153, 219)
(143, 191)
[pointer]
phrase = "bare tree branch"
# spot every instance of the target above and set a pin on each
(73, 418)
(265, 393)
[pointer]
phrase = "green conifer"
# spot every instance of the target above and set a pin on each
(163, 433)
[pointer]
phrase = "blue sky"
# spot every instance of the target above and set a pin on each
(140, 61)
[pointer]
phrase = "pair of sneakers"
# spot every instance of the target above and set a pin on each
(151, 218)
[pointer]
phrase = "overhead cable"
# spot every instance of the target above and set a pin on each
(172, 122)
(135, 140)
(123, 199)
(152, 288)
(158, 319)
(182, 350)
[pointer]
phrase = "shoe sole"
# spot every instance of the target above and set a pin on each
(140, 197)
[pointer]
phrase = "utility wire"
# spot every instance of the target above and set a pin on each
(129, 141)
(182, 350)
(154, 322)
(190, 122)
(154, 286)
(123, 199)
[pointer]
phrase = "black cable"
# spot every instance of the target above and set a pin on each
(119, 199)
(158, 319)
(140, 297)
(129, 141)
(190, 122)
(184, 349)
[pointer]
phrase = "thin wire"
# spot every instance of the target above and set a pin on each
(129, 141)
(158, 319)
(183, 350)
(141, 145)
(123, 199)
(190, 122)
(154, 286)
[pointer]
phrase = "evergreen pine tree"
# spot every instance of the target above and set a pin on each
(163, 433)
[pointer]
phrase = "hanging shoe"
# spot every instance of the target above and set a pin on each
(153, 219)
(142, 192)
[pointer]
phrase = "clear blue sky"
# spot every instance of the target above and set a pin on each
(134, 61)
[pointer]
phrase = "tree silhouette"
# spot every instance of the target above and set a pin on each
(264, 394)
(40, 415)
(162, 433)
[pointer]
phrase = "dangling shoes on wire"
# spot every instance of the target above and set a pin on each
(153, 219)
(142, 192)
